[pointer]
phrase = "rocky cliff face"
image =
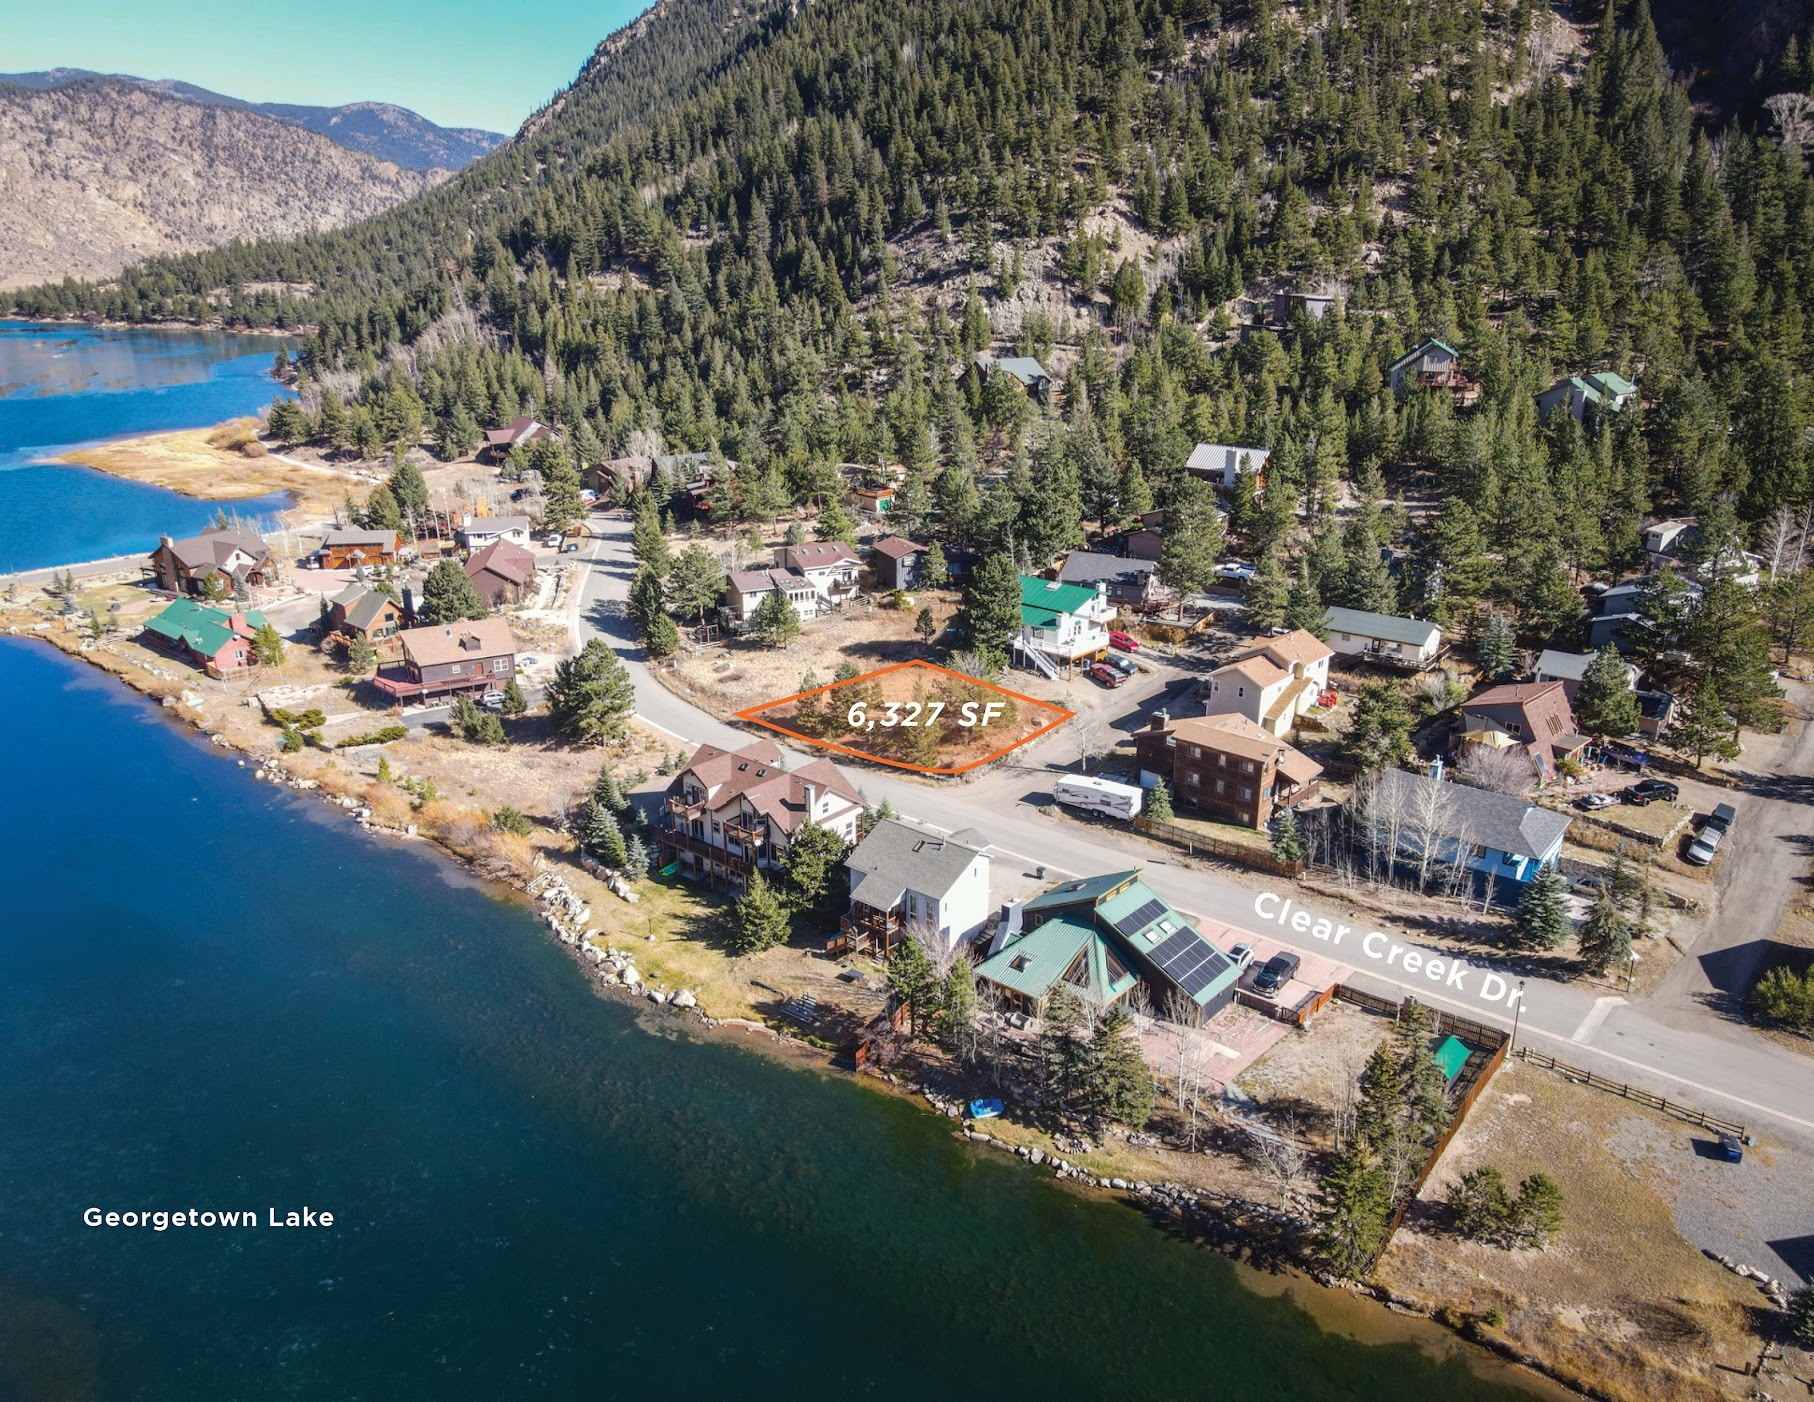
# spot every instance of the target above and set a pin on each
(99, 174)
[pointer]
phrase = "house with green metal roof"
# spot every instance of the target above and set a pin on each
(1432, 364)
(218, 642)
(1062, 623)
(1102, 935)
(1603, 391)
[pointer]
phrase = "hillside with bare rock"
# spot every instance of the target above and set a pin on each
(99, 174)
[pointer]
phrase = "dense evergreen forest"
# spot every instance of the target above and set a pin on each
(781, 235)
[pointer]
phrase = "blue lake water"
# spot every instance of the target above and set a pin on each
(212, 995)
(61, 386)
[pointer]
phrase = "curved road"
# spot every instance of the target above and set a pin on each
(1695, 1055)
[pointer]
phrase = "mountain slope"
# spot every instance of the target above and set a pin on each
(97, 174)
(380, 129)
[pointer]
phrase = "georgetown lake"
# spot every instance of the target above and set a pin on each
(216, 996)
(62, 386)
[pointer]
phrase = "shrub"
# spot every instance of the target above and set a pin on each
(374, 737)
(311, 719)
(508, 819)
(1784, 998)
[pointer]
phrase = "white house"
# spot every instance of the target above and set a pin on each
(1382, 637)
(731, 812)
(476, 532)
(1061, 623)
(901, 878)
(1223, 466)
(830, 566)
(744, 589)
(1272, 683)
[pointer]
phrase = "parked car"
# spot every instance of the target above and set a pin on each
(1241, 956)
(1234, 569)
(552, 540)
(1649, 790)
(1706, 843)
(1124, 642)
(1275, 973)
(1722, 817)
(1123, 665)
(492, 701)
(1588, 802)
(1104, 675)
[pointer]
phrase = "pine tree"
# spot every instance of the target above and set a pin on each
(591, 696)
(648, 598)
(992, 608)
(1701, 726)
(1379, 729)
(812, 882)
(1065, 1057)
(760, 919)
(448, 595)
(647, 542)
(1536, 1215)
(1605, 704)
(602, 838)
(515, 703)
(1193, 539)
(1120, 1082)
(925, 625)
(1159, 803)
(608, 792)
(662, 638)
(1351, 1223)
(1287, 840)
(267, 646)
(636, 858)
(1268, 595)
(695, 583)
(1498, 650)
(935, 571)
(1605, 937)
(361, 656)
(915, 982)
(835, 523)
(1304, 607)
(1480, 1205)
(1542, 918)
(776, 622)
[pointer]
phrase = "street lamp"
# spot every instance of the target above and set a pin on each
(1517, 1014)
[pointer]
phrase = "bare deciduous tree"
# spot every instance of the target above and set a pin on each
(1507, 770)
(1793, 113)
(1277, 1156)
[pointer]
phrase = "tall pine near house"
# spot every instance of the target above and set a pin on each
(601, 836)
(1498, 650)
(1543, 912)
(1605, 937)
(1604, 703)
(1702, 727)
(448, 595)
(1356, 1206)
(1121, 1083)
(760, 918)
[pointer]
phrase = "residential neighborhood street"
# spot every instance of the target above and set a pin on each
(1675, 1042)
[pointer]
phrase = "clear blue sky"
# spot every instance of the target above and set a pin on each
(462, 63)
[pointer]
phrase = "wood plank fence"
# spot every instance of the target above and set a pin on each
(1643, 1097)
(1193, 842)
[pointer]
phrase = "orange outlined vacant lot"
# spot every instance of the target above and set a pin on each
(914, 715)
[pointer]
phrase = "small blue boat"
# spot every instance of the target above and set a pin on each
(985, 1109)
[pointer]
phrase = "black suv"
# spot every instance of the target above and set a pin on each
(1275, 973)
(1649, 790)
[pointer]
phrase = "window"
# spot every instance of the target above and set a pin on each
(1244, 793)
(1247, 766)
(1221, 787)
(1196, 752)
(1193, 777)
(1240, 691)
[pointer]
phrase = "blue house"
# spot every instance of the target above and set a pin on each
(1501, 837)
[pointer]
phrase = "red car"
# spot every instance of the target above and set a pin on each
(1104, 675)
(1124, 642)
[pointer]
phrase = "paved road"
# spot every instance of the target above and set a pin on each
(1690, 1053)
(113, 564)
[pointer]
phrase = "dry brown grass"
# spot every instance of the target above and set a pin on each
(1620, 1303)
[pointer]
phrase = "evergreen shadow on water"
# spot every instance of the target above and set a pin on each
(212, 995)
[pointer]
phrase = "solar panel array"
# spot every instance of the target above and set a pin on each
(1135, 921)
(1190, 961)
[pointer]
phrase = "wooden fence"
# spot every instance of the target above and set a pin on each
(1193, 841)
(1298, 1017)
(1642, 1097)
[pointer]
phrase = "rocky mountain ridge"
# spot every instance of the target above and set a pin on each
(98, 174)
(381, 129)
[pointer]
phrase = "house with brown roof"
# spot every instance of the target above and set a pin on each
(1533, 717)
(448, 659)
(1272, 681)
(357, 611)
(501, 573)
(732, 812)
(830, 566)
(215, 563)
(520, 430)
(898, 562)
(1227, 766)
(346, 550)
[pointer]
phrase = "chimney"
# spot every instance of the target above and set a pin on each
(812, 798)
(1160, 720)
(165, 540)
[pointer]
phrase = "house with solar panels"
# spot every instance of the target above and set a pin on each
(1102, 935)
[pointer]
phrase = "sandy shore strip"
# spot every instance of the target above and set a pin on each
(214, 464)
